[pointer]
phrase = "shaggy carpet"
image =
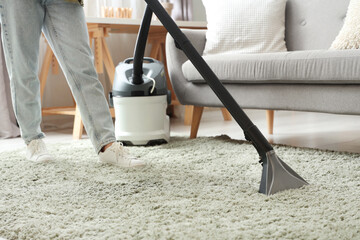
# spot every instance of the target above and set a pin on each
(206, 188)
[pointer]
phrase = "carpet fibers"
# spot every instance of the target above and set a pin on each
(204, 188)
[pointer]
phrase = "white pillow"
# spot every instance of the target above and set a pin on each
(246, 26)
(349, 36)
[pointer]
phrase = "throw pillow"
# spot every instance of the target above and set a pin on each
(349, 36)
(246, 26)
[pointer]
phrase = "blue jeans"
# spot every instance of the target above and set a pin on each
(63, 24)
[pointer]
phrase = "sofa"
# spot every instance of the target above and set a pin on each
(307, 77)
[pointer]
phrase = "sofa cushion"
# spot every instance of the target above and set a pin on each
(349, 36)
(298, 67)
(313, 24)
(247, 26)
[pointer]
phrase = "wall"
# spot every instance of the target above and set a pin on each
(199, 11)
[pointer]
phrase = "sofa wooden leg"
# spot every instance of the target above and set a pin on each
(270, 121)
(226, 114)
(196, 117)
(188, 115)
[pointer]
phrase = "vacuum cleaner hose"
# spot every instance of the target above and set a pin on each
(137, 77)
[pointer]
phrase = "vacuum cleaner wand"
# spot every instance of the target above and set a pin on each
(276, 175)
(137, 78)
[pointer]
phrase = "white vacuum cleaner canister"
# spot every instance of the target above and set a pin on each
(141, 120)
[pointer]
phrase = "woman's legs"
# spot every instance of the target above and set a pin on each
(66, 31)
(21, 22)
(64, 26)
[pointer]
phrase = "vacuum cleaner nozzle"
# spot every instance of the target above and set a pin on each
(277, 176)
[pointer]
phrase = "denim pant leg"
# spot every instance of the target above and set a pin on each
(66, 31)
(21, 22)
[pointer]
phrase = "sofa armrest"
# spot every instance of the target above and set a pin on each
(175, 59)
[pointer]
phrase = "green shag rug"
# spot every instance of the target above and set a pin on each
(206, 188)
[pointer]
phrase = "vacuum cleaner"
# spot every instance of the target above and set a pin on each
(276, 174)
(140, 97)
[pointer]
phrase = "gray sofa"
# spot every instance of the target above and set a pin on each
(308, 77)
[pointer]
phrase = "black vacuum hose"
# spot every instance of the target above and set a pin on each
(140, 47)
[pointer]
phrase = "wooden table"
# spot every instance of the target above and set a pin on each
(99, 29)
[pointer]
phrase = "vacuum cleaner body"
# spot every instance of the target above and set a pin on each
(140, 109)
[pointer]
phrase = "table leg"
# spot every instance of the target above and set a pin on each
(98, 53)
(78, 127)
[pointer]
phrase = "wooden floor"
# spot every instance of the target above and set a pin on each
(303, 129)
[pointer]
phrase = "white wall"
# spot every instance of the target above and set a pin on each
(198, 11)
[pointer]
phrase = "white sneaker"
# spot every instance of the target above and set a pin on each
(37, 152)
(116, 155)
